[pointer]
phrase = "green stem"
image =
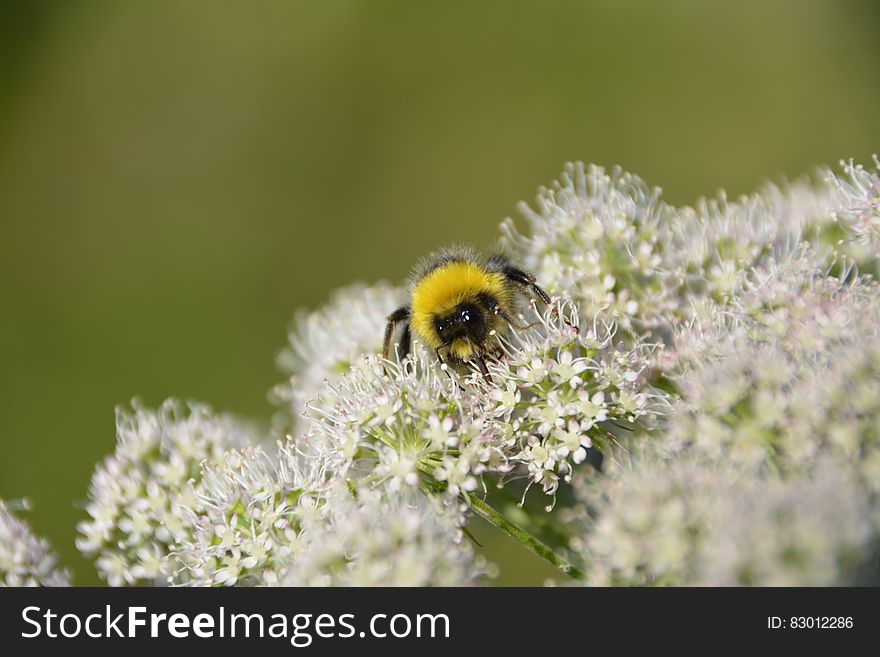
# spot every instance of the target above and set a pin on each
(530, 542)
(543, 522)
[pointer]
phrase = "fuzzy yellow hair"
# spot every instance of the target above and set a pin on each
(444, 288)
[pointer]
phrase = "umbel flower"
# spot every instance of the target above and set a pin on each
(769, 472)
(25, 559)
(553, 394)
(372, 539)
(690, 522)
(247, 514)
(140, 495)
(787, 372)
(609, 242)
(856, 208)
(324, 345)
(599, 238)
(701, 396)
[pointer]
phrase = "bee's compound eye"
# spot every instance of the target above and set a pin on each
(468, 315)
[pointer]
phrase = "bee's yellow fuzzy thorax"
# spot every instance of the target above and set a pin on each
(445, 288)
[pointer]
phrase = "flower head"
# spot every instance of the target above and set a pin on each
(686, 522)
(555, 388)
(247, 517)
(607, 240)
(25, 559)
(788, 372)
(707, 379)
(323, 345)
(138, 496)
(371, 539)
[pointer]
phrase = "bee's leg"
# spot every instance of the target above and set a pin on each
(405, 342)
(480, 362)
(527, 284)
(439, 357)
(483, 369)
(399, 315)
(526, 281)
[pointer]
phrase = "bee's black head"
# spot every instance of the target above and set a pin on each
(465, 320)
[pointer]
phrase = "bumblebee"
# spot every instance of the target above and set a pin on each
(457, 300)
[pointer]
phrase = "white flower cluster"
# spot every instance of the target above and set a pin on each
(188, 499)
(720, 365)
(610, 243)
(772, 342)
(789, 371)
(857, 210)
(554, 393)
(373, 539)
(246, 517)
(770, 471)
(805, 531)
(599, 239)
(25, 559)
(140, 494)
(323, 345)
(687, 522)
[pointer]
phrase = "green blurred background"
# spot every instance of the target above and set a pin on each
(177, 177)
